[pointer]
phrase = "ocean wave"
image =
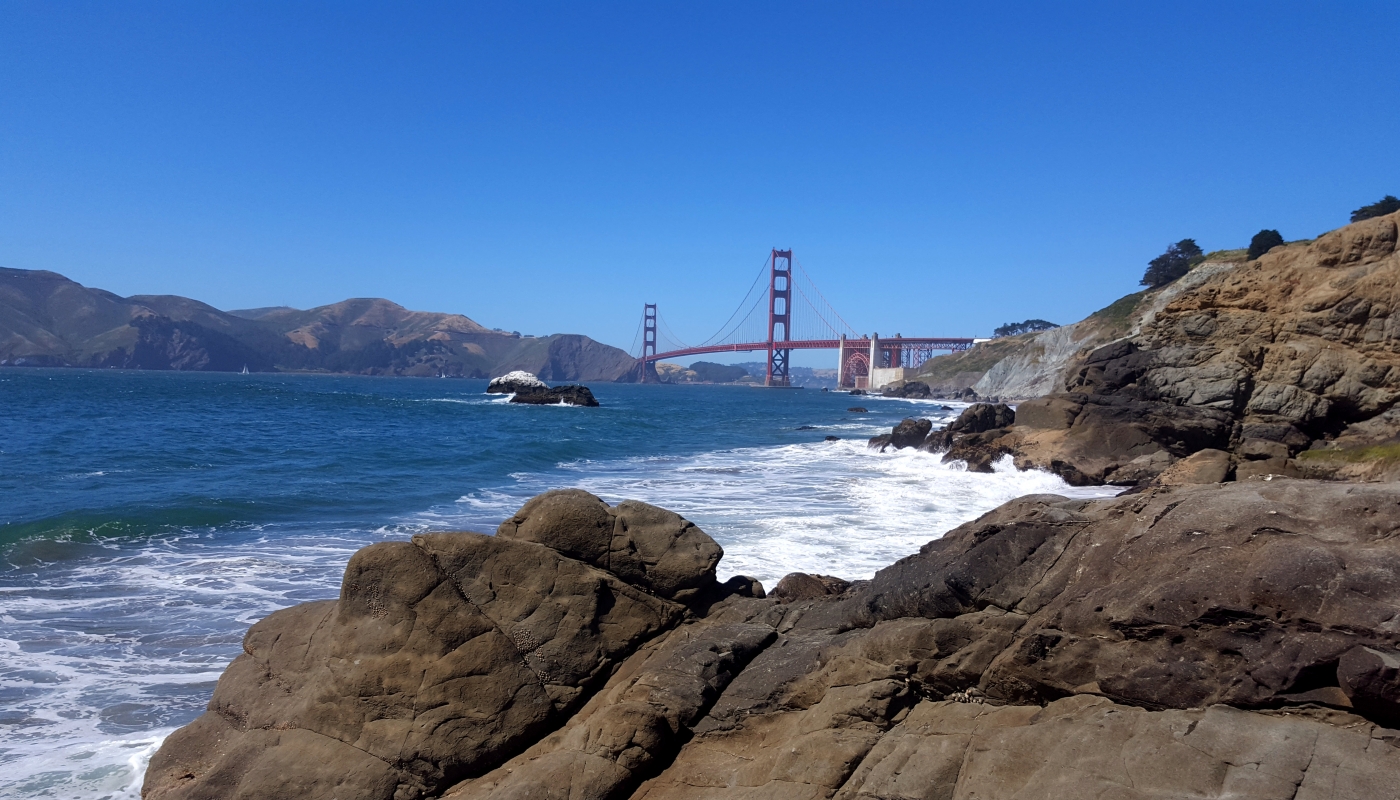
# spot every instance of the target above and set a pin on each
(828, 507)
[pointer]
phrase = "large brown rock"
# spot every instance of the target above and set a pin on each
(441, 658)
(1223, 640)
(644, 545)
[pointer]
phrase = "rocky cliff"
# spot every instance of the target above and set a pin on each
(1218, 641)
(48, 320)
(1289, 364)
(1036, 364)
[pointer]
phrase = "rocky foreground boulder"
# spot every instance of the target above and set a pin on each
(1238, 640)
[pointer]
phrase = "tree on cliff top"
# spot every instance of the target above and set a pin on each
(1387, 205)
(1177, 261)
(1030, 325)
(1263, 242)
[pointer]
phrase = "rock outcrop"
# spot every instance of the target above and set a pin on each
(443, 656)
(557, 395)
(1225, 640)
(517, 381)
(917, 390)
(1298, 351)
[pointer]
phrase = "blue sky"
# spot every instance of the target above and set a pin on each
(939, 169)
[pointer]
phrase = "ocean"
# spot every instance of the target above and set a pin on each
(148, 518)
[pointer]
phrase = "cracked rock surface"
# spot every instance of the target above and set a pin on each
(1232, 640)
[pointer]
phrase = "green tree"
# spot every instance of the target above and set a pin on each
(1030, 325)
(1387, 205)
(1177, 261)
(1263, 242)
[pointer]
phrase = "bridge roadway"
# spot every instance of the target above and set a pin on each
(893, 343)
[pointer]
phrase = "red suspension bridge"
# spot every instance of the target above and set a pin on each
(781, 325)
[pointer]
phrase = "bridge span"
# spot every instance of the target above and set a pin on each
(861, 361)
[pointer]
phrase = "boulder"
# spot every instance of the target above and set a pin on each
(1371, 680)
(647, 546)
(513, 382)
(858, 410)
(802, 586)
(559, 395)
(442, 656)
(1203, 466)
(910, 433)
(1225, 640)
(917, 390)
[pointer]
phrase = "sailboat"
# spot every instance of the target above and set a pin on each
(245, 370)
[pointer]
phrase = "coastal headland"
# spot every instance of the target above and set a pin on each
(1225, 628)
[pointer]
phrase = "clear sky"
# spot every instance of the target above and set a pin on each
(938, 168)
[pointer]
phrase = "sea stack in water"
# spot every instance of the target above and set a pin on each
(515, 382)
(559, 395)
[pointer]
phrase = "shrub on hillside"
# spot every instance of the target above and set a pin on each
(1387, 205)
(1029, 326)
(1263, 242)
(1177, 261)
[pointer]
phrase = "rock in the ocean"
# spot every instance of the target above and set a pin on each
(517, 381)
(559, 395)
(909, 432)
(858, 410)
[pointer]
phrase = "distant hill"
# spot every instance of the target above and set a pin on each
(49, 320)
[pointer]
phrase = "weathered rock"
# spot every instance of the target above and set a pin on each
(640, 543)
(1228, 640)
(513, 382)
(441, 658)
(1371, 680)
(857, 410)
(639, 720)
(802, 586)
(1203, 466)
(965, 751)
(1142, 469)
(917, 390)
(976, 418)
(558, 395)
(910, 433)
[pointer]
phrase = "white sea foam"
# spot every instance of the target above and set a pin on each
(830, 507)
(98, 664)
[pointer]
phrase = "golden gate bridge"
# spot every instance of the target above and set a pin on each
(781, 325)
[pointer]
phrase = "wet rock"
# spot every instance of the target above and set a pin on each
(831, 438)
(558, 395)
(513, 382)
(858, 410)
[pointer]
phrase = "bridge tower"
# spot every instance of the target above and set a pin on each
(779, 318)
(648, 342)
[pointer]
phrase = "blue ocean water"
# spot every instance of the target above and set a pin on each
(146, 519)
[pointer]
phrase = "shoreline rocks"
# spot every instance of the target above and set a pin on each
(587, 651)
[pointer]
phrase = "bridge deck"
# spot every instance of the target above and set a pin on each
(934, 343)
